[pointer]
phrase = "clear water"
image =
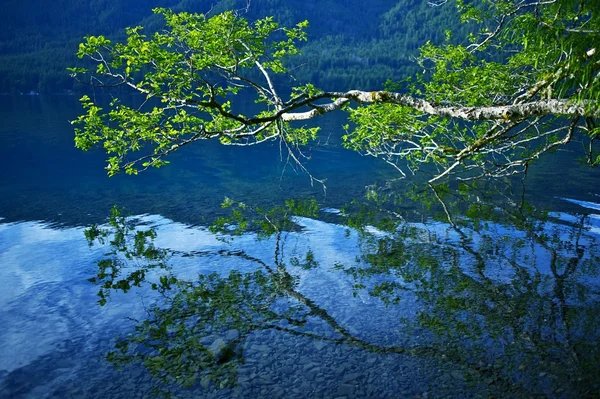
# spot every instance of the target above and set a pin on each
(499, 311)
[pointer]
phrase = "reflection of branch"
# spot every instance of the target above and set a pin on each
(559, 285)
(198, 309)
(519, 310)
(281, 274)
(448, 216)
(489, 286)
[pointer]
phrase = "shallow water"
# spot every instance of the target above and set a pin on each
(423, 310)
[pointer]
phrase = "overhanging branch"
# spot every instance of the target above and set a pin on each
(554, 107)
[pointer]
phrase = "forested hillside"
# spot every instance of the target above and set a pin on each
(351, 44)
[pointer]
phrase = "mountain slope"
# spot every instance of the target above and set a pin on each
(350, 44)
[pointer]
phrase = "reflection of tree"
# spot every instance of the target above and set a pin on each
(196, 332)
(504, 298)
(507, 290)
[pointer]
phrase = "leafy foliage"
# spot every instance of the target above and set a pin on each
(181, 73)
(524, 52)
(488, 108)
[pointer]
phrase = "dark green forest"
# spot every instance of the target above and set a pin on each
(352, 43)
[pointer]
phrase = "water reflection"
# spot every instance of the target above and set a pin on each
(508, 289)
(490, 295)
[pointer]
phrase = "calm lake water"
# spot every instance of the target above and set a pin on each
(347, 303)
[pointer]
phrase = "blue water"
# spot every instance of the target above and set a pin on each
(520, 324)
(46, 177)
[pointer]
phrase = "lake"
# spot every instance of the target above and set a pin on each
(323, 297)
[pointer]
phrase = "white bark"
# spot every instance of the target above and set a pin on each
(556, 107)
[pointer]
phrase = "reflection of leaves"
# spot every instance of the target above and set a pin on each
(265, 223)
(198, 331)
(126, 244)
(503, 297)
(387, 291)
(498, 273)
(308, 263)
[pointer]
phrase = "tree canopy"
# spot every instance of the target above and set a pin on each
(524, 82)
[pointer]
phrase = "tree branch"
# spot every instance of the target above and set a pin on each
(555, 107)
